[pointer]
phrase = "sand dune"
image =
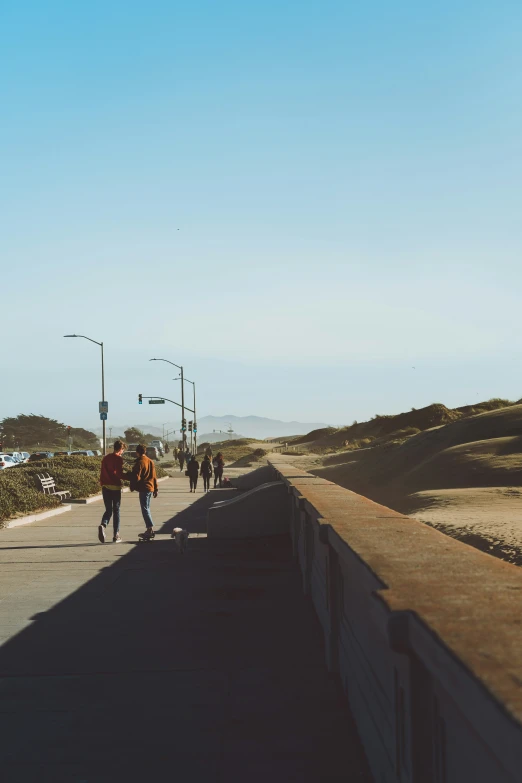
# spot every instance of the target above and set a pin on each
(463, 475)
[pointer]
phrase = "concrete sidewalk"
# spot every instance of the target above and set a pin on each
(131, 662)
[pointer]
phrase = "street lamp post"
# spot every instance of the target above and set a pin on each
(103, 380)
(195, 422)
(182, 395)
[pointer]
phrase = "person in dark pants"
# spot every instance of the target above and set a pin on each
(111, 478)
(219, 465)
(206, 472)
(181, 459)
(193, 471)
(144, 480)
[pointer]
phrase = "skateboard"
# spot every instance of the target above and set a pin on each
(145, 537)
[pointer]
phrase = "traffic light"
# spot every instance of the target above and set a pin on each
(195, 427)
(190, 426)
(140, 399)
(183, 425)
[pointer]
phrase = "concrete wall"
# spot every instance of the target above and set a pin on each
(424, 632)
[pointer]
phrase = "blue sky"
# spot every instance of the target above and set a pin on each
(299, 202)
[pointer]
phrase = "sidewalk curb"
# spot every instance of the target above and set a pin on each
(94, 498)
(36, 517)
(91, 498)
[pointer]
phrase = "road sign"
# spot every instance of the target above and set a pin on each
(156, 402)
(103, 416)
(103, 407)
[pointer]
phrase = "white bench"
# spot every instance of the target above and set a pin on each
(48, 485)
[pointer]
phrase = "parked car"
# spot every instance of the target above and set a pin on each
(130, 452)
(96, 452)
(83, 453)
(62, 453)
(40, 455)
(25, 456)
(7, 461)
(152, 452)
(16, 455)
(159, 445)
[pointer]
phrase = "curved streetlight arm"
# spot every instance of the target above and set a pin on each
(182, 388)
(103, 380)
(84, 337)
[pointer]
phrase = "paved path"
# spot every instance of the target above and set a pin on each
(133, 663)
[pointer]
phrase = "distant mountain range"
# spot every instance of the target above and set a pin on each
(242, 426)
(255, 426)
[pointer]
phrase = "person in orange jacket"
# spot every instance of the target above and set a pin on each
(143, 479)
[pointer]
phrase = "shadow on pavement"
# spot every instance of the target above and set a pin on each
(194, 518)
(206, 666)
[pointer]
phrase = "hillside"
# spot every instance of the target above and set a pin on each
(237, 453)
(461, 475)
(250, 426)
(255, 426)
(382, 428)
(477, 451)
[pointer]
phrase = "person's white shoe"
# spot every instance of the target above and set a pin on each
(101, 534)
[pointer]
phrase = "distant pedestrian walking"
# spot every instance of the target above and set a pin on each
(111, 477)
(181, 459)
(193, 471)
(219, 465)
(208, 452)
(144, 481)
(206, 472)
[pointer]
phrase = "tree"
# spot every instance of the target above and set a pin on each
(30, 429)
(27, 430)
(134, 435)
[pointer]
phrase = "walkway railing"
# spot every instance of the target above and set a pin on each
(425, 633)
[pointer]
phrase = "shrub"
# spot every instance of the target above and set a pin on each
(18, 495)
(20, 491)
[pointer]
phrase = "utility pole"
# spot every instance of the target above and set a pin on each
(184, 437)
(183, 434)
(104, 448)
(195, 422)
(103, 414)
